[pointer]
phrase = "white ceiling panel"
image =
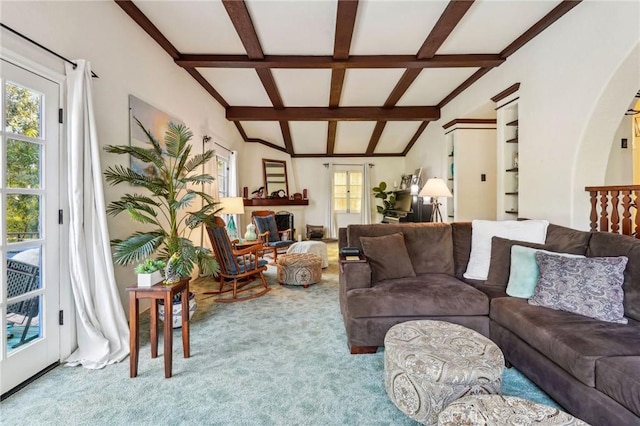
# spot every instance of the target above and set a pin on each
(266, 130)
(490, 26)
(294, 27)
(368, 87)
(194, 26)
(309, 137)
(303, 87)
(353, 136)
(239, 87)
(396, 136)
(394, 27)
(433, 85)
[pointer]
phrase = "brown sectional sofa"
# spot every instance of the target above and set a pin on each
(590, 367)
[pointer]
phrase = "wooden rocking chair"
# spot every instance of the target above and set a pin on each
(239, 268)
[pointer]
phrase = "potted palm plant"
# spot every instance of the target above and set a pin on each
(168, 192)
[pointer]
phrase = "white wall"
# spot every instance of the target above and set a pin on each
(128, 61)
(564, 73)
(620, 164)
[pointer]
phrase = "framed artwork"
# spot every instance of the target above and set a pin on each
(155, 121)
(406, 181)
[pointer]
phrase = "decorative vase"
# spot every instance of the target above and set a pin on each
(147, 280)
(177, 310)
(251, 235)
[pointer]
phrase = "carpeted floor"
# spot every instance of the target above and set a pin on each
(281, 359)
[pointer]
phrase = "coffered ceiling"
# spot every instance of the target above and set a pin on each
(340, 78)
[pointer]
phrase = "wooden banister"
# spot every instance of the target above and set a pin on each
(611, 203)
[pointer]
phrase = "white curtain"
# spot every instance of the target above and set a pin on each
(102, 331)
(366, 194)
(233, 174)
(331, 218)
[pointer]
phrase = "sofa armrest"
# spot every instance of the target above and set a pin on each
(355, 274)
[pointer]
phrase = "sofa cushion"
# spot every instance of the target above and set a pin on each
(430, 245)
(567, 240)
(424, 295)
(524, 274)
(500, 263)
(619, 377)
(607, 244)
(585, 286)
(387, 256)
(573, 342)
(534, 231)
(461, 246)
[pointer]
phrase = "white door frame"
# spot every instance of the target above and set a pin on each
(67, 331)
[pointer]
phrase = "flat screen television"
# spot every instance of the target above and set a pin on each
(403, 202)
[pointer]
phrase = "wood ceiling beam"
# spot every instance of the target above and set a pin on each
(526, 37)
(345, 23)
(409, 113)
(241, 19)
(474, 60)
(346, 155)
(551, 17)
(451, 16)
(144, 23)
(415, 137)
(153, 31)
(256, 140)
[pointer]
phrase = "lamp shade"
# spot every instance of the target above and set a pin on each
(435, 188)
(231, 205)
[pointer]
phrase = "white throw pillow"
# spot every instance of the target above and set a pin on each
(532, 231)
(31, 256)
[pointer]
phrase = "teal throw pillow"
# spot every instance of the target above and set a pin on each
(523, 277)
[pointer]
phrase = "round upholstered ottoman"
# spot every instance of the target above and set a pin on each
(429, 364)
(315, 247)
(480, 410)
(299, 269)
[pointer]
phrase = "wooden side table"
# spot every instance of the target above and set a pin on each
(156, 293)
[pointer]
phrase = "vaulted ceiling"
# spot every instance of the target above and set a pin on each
(340, 78)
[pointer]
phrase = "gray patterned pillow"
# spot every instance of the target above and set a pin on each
(590, 286)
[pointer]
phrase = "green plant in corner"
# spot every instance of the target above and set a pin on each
(387, 197)
(170, 191)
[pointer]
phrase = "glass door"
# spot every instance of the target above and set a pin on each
(29, 241)
(347, 196)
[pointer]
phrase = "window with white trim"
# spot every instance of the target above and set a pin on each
(347, 191)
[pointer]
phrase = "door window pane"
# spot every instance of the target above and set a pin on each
(23, 164)
(340, 204)
(23, 111)
(23, 322)
(340, 178)
(354, 205)
(23, 217)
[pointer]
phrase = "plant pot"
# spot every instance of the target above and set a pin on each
(147, 280)
(177, 310)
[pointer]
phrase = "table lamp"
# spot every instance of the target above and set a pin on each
(231, 206)
(435, 188)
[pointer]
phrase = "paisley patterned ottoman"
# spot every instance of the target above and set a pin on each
(299, 269)
(486, 410)
(429, 364)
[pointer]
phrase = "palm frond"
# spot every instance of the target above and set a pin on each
(137, 247)
(199, 179)
(184, 201)
(119, 174)
(127, 201)
(198, 160)
(143, 154)
(138, 216)
(176, 137)
(152, 139)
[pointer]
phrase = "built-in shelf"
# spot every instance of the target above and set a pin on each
(514, 140)
(515, 169)
(274, 202)
(512, 123)
(510, 193)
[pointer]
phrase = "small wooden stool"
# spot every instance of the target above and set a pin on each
(157, 292)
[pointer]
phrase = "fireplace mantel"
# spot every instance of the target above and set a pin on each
(274, 202)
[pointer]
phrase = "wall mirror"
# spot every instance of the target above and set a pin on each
(275, 178)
